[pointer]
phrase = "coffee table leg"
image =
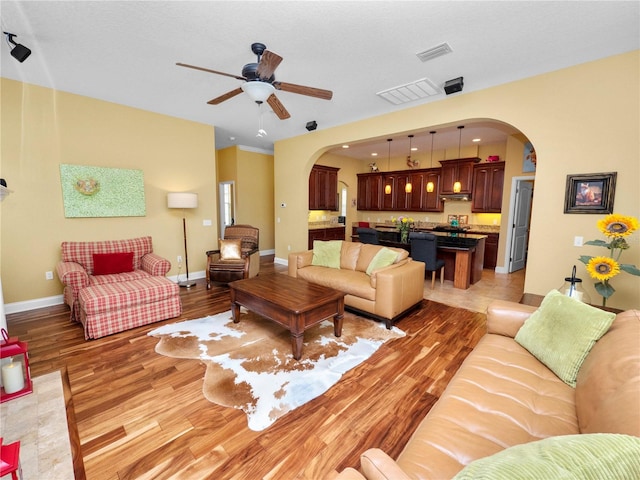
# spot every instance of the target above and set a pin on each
(235, 312)
(296, 345)
(337, 319)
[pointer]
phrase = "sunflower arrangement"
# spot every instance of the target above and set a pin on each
(603, 268)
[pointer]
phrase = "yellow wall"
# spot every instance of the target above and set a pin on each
(583, 119)
(42, 128)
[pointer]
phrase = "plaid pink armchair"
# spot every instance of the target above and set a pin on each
(115, 285)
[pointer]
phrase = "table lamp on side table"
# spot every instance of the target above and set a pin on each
(183, 200)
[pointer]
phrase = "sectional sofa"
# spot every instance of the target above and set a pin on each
(507, 414)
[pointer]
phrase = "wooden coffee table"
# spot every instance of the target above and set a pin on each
(291, 302)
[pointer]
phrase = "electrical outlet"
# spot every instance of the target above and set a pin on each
(179, 259)
(48, 275)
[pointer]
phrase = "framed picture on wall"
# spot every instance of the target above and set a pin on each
(451, 218)
(590, 193)
(463, 219)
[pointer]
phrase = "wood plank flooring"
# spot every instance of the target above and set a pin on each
(135, 414)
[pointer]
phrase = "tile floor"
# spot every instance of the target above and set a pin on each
(39, 421)
(502, 286)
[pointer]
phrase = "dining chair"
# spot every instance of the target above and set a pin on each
(368, 235)
(424, 248)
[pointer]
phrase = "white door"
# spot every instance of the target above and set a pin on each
(520, 226)
(227, 205)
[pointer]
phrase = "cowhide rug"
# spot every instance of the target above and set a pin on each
(250, 365)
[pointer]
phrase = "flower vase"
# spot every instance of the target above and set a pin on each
(404, 236)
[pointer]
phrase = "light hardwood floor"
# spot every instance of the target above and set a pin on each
(136, 414)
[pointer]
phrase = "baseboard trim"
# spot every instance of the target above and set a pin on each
(17, 307)
(281, 261)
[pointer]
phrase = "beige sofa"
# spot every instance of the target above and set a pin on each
(386, 294)
(502, 397)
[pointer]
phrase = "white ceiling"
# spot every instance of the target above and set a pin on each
(125, 52)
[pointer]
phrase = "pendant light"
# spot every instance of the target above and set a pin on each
(457, 186)
(408, 186)
(430, 185)
(387, 187)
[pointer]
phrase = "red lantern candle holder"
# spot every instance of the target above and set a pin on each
(15, 374)
(10, 460)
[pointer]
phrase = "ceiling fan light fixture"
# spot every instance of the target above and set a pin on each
(258, 91)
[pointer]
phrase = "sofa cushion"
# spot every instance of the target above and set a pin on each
(562, 332)
(110, 263)
(608, 385)
(501, 396)
(368, 251)
(349, 255)
(383, 258)
(592, 456)
(326, 254)
(349, 281)
(230, 249)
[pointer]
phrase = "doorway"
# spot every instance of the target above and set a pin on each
(227, 203)
(519, 222)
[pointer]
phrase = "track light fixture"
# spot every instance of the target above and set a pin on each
(18, 51)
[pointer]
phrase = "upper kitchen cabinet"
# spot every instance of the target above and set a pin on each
(488, 180)
(459, 170)
(323, 188)
(370, 191)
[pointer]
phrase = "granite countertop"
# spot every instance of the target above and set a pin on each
(323, 225)
(428, 226)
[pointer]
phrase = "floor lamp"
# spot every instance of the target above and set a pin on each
(183, 200)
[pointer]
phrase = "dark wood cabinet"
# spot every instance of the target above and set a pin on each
(459, 170)
(488, 181)
(325, 234)
(372, 191)
(491, 250)
(323, 188)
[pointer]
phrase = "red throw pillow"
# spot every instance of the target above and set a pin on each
(109, 263)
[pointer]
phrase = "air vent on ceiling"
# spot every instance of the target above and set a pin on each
(411, 91)
(434, 52)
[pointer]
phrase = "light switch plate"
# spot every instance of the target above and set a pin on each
(578, 241)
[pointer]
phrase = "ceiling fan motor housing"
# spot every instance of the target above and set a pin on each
(250, 72)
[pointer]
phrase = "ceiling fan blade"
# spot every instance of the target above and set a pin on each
(210, 71)
(302, 90)
(277, 107)
(226, 96)
(268, 64)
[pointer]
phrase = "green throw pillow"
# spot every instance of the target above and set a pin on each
(592, 456)
(327, 254)
(383, 258)
(562, 332)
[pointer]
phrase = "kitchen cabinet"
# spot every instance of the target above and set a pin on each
(370, 191)
(488, 181)
(372, 196)
(323, 188)
(491, 250)
(459, 170)
(325, 234)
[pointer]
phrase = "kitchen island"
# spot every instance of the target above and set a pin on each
(463, 253)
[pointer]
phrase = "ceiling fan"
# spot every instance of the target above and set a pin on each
(260, 82)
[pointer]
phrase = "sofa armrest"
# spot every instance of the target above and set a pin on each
(398, 287)
(349, 474)
(155, 264)
(72, 274)
(299, 260)
(506, 318)
(377, 465)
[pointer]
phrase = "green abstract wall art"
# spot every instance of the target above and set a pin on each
(102, 192)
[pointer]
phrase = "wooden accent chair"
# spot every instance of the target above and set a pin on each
(237, 257)
(424, 248)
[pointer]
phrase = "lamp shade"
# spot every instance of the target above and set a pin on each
(258, 91)
(182, 200)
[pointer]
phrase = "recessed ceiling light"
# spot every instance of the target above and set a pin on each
(414, 149)
(345, 146)
(374, 154)
(476, 140)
